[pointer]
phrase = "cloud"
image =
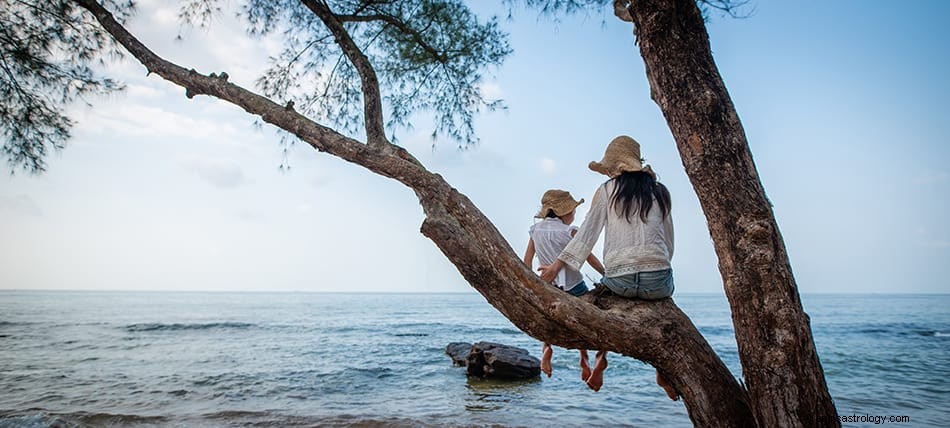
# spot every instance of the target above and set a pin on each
(22, 205)
(132, 119)
(222, 173)
(491, 91)
(321, 181)
(138, 91)
(548, 166)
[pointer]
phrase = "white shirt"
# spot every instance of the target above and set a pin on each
(629, 246)
(550, 236)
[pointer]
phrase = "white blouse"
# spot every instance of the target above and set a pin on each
(550, 236)
(629, 246)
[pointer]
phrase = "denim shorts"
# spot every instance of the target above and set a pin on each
(578, 290)
(653, 285)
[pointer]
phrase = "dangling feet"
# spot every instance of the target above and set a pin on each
(546, 353)
(670, 391)
(585, 366)
(596, 379)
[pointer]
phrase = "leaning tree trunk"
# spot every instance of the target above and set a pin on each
(784, 377)
(655, 332)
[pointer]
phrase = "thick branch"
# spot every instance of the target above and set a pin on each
(655, 332)
(372, 100)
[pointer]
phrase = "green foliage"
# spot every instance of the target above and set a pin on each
(429, 56)
(46, 49)
(555, 8)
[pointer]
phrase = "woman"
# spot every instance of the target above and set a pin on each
(634, 209)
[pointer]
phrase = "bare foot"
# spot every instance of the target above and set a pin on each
(596, 379)
(546, 353)
(670, 391)
(585, 366)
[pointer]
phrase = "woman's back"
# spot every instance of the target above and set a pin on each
(635, 240)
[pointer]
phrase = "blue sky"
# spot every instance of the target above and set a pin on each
(844, 104)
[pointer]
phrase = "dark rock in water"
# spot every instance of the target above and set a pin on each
(459, 351)
(497, 361)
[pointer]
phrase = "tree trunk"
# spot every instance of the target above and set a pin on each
(784, 377)
(658, 333)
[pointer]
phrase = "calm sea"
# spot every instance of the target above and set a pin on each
(301, 359)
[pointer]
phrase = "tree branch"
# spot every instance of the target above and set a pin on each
(372, 100)
(436, 54)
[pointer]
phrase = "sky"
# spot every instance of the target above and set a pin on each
(844, 104)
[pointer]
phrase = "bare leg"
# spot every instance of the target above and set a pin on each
(596, 379)
(546, 353)
(585, 366)
(670, 392)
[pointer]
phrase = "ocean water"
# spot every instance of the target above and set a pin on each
(311, 359)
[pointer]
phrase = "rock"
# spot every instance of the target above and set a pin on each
(497, 361)
(459, 351)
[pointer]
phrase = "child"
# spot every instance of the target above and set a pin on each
(548, 239)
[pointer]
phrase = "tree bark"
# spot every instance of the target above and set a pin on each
(658, 333)
(784, 377)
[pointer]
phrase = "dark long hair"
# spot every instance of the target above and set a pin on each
(634, 193)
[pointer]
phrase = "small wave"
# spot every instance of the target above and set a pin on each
(179, 326)
(43, 419)
(426, 325)
(410, 334)
(502, 330)
(372, 372)
(26, 421)
(256, 418)
(716, 330)
(941, 334)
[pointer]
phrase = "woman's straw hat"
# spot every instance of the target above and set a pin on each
(622, 155)
(559, 201)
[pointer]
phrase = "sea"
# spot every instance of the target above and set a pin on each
(221, 359)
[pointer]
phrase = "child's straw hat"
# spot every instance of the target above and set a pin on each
(622, 155)
(559, 201)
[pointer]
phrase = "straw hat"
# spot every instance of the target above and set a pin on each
(622, 155)
(560, 201)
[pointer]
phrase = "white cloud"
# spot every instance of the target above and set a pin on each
(139, 91)
(548, 166)
(22, 205)
(321, 181)
(491, 90)
(222, 173)
(138, 120)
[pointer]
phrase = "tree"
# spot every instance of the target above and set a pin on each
(779, 361)
(428, 54)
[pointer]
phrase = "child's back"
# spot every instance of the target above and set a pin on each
(550, 236)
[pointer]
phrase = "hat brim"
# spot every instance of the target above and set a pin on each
(620, 169)
(600, 168)
(559, 210)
